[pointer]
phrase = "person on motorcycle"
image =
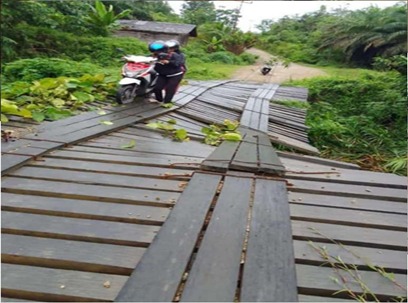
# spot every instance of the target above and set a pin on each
(266, 69)
(169, 69)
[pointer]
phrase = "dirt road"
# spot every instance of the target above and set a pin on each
(278, 74)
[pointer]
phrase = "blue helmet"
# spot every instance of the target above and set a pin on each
(158, 47)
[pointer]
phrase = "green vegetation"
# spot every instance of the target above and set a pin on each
(348, 275)
(216, 133)
(342, 37)
(360, 119)
(59, 56)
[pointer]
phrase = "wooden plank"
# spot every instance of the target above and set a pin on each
(21, 143)
(349, 235)
(96, 178)
(215, 271)
(295, 144)
(110, 158)
(350, 190)
(159, 143)
(84, 117)
(349, 217)
(306, 298)
(78, 229)
(317, 280)
(98, 129)
(255, 118)
(221, 157)
(272, 89)
(246, 118)
(95, 149)
(302, 169)
(166, 147)
(318, 160)
(122, 169)
(246, 158)
(348, 203)
(263, 123)
(4, 299)
(269, 161)
(10, 162)
(73, 255)
(45, 284)
(88, 192)
(158, 274)
(94, 119)
(269, 270)
(107, 211)
(390, 260)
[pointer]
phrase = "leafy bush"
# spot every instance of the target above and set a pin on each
(54, 98)
(38, 68)
(398, 63)
(247, 58)
(223, 57)
(363, 120)
(46, 42)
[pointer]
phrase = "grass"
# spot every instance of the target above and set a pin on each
(211, 71)
(349, 73)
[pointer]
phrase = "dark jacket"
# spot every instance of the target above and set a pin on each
(173, 68)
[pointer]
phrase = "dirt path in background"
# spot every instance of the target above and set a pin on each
(278, 74)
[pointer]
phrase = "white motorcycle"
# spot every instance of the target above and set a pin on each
(139, 78)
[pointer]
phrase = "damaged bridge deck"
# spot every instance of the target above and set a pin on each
(85, 219)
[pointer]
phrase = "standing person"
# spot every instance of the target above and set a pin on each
(174, 46)
(169, 69)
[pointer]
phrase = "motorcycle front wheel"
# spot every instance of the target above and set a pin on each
(126, 94)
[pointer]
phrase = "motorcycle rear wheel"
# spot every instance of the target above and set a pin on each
(126, 94)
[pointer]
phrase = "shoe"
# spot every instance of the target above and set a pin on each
(153, 100)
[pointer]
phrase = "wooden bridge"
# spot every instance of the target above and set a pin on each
(84, 219)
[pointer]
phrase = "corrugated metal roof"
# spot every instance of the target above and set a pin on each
(159, 27)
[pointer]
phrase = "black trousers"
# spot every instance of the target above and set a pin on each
(169, 84)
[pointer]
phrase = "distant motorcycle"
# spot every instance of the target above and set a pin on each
(266, 69)
(139, 78)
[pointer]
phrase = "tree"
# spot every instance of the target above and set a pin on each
(198, 12)
(144, 9)
(104, 19)
(365, 34)
(229, 17)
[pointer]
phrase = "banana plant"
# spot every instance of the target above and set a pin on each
(105, 18)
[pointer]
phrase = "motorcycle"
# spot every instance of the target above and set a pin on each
(139, 78)
(265, 70)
